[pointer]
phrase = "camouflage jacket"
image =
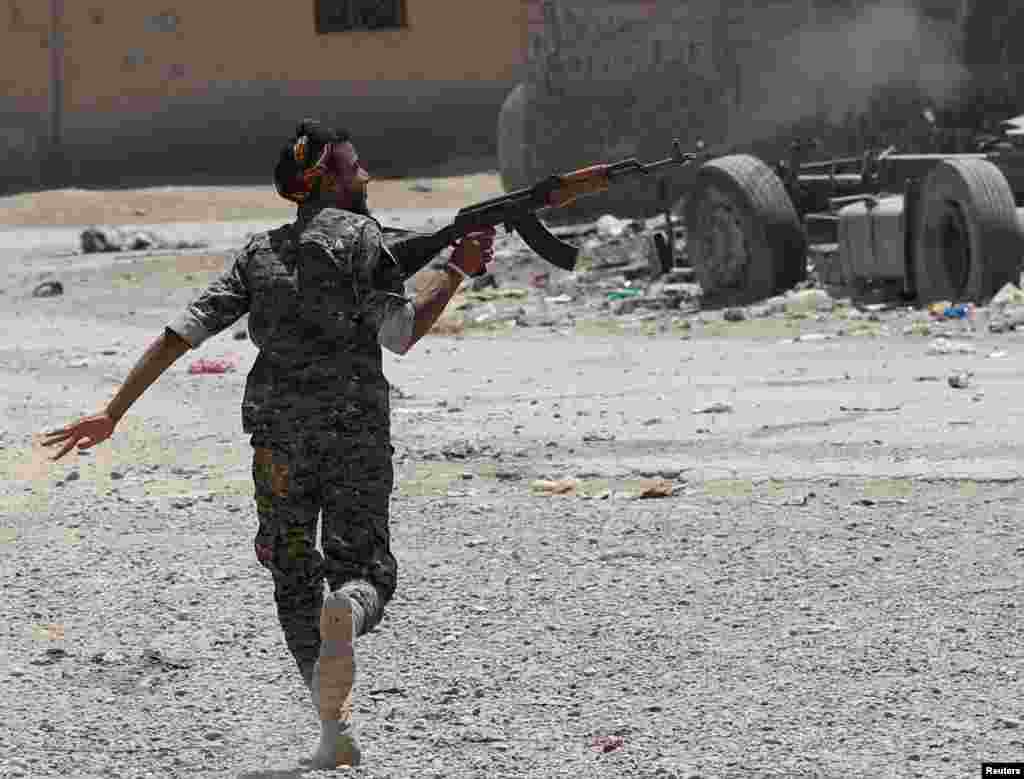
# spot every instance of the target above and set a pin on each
(317, 293)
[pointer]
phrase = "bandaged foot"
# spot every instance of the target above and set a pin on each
(333, 679)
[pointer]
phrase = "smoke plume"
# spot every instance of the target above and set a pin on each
(832, 67)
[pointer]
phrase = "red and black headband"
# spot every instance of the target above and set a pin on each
(306, 165)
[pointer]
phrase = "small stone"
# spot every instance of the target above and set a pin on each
(48, 289)
(73, 476)
(718, 407)
(959, 379)
(734, 315)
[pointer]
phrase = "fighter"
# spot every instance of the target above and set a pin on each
(323, 295)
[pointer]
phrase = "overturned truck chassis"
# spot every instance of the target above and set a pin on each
(932, 226)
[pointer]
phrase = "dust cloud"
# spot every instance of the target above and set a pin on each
(834, 65)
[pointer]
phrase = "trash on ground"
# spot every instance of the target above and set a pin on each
(622, 294)
(1008, 295)
(607, 744)
(960, 379)
(490, 293)
(48, 289)
(946, 346)
(734, 315)
(108, 239)
(718, 407)
(203, 365)
(555, 486)
(657, 488)
(609, 226)
(947, 310)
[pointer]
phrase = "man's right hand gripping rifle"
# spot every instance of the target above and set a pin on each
(469, 258)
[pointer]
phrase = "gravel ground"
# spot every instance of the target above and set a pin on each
(829, 586)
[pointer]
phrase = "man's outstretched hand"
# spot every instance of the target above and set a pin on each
(88, 430)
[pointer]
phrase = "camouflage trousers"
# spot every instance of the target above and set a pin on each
(345, 480)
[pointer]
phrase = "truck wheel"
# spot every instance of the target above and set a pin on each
(744, 238)
(512, 140)
(967, 239)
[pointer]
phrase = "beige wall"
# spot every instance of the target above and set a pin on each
(137, 68)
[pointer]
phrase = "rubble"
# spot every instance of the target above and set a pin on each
(960, 379)
(48, 289)
(620, 285)
(111, 239)
(718, 407)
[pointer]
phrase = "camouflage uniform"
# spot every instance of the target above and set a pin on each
(317, 409)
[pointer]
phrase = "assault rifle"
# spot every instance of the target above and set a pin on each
(516, 211)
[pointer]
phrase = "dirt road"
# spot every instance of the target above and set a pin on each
(832, 587)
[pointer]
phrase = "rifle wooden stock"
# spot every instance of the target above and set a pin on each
(585, 181)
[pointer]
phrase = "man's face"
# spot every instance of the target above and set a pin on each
(352, 179)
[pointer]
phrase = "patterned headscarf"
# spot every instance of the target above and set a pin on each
(306, 166)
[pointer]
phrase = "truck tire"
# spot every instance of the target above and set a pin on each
(512, 140)
(967, 240)
(744, 238)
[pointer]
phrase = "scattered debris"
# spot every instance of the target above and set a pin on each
(609, 226)
(623, 294)
(555, 487)
(960, 379)
(1008, 295)
(605, 744)
(202, 366)
(718, 407)
(109, 239)
(734, 315)
(872, 502)
(657, 488)
(947, 310)
(942, 346)
(48, 289)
